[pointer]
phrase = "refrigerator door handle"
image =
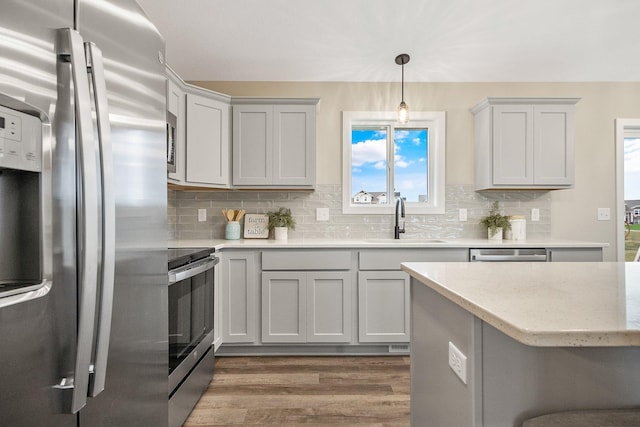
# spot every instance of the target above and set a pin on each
(106, 278)
(71, 49)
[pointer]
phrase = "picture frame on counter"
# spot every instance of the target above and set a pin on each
(256, 226)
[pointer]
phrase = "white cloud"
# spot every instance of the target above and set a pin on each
(400, 162)
(380, 165)
(401, 135)
(370, 151)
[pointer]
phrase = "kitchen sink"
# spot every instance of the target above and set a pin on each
(389, 240)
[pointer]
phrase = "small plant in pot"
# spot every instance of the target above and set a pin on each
(280, 221)
(495, 222)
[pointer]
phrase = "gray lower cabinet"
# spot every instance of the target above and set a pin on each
(239, 290)
(383, 306)
(383, 291)
(306, 307)
(575, 254)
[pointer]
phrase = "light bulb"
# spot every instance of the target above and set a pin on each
(403, 113)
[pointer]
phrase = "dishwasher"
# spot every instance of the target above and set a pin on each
(508, 255)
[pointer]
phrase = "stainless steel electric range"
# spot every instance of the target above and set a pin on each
(191, 305)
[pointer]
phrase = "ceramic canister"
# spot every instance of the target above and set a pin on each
(518, 228)
(232, 230)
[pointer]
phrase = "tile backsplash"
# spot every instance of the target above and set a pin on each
(183, 213)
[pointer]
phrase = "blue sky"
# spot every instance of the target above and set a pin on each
(632, 169)
(369, 160)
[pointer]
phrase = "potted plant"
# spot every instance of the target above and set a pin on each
(495, 222)
(280, 221)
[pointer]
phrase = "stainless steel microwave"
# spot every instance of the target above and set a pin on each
(172, 122)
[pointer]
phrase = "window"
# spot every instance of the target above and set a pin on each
(384, 161)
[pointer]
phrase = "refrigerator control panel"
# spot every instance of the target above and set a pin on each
(20, 141)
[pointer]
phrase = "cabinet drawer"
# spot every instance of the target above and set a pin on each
(306, 260)
(384, 259)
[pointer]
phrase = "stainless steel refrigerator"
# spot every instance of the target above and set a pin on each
(83, 234)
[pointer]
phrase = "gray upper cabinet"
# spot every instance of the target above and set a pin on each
(207, 141)
(274, 144)
(524, 143)
(203, 137)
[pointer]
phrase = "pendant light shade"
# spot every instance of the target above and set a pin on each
(403, 108)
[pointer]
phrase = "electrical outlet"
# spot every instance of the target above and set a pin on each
(458, 362)
(322, 214)
(202, 215)
(462, 214)
(604, 214)
(535, 214)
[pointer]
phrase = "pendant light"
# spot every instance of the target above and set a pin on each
(403, 108)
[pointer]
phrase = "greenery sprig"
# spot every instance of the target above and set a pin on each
(495, 219)
(281, 218)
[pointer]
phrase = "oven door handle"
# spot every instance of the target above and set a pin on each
(191, 270)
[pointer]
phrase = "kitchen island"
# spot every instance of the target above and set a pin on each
(533, 338)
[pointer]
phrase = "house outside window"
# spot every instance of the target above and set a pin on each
(384, 161)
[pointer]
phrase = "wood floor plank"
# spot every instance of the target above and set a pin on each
(316, 390)
(273, 379)
(296, 401)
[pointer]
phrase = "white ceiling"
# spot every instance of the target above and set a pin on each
(357, 40)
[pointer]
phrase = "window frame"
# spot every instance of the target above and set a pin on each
(435, 122)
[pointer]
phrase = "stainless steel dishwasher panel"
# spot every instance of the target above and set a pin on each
(508, 255)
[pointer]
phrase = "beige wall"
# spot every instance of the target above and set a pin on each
(573, 212)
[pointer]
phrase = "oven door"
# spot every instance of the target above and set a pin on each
(190, 317)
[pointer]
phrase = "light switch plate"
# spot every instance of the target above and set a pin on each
(535, 214)
(462, 214)
(322, 214)
(202, 215)
(604, 214)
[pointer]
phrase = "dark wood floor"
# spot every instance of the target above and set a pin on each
(359, 391)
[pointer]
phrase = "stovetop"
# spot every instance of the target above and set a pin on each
(183, 256)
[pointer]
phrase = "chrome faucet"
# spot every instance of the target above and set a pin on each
(397, 230)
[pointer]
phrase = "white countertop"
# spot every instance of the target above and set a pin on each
(382, 243)
(564, 304)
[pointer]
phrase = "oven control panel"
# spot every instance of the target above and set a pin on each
(20, 141)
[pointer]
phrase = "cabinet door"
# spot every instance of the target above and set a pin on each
(513, 144)
(575, 254)
(238, 294)
(329, 307)
(176, 106)
(207, 145)
(252, 144)
(553, 158)
(383, 306)
(284, 309)
(294, 145)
